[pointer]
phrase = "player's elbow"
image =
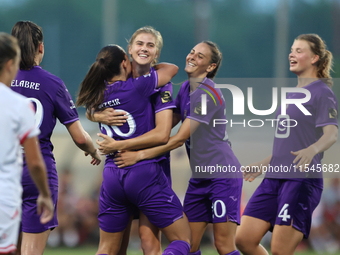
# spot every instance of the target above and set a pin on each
(80, 140)
(178, 141)
(174, 70)
(36, 166)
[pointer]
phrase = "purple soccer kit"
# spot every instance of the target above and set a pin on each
(144, 184)
(51, 100)
(290, 195)
(214, 195)
(163, 101)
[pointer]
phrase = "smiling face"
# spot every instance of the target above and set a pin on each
(143, 49)
(198, 61)
(302, 59)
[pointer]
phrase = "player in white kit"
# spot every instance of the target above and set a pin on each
(17, 128)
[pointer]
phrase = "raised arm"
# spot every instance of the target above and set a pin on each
(128, 158)
(37, 169)
(83, 140)
(165, 72)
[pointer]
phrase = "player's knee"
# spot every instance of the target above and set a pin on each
(224, 246)
(150, 246)
(245, 244)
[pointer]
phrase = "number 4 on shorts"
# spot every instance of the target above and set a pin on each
(284, 213)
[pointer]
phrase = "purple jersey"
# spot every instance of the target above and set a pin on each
(162, 101)
(133, 97)
(210, 153)
(303, 132)
(51, 100)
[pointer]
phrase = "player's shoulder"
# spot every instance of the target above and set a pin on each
(52, 79)
(320, 89)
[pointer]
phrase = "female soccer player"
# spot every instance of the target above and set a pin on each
(52, 100)
(17, 128)
(215, 199)
(143, 185)
(145, 48)
(284, 203)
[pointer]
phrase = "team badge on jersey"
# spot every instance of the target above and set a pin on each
(198, 109)
(166, 97)
(333, 114)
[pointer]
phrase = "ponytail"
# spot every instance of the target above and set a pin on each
(107, 65)
(29, 36)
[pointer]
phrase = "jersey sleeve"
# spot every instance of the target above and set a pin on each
(65, 110)
(27, 128)
(178, 101)
(327, 109)
(196, 111)
(162, 100)
(146, 85)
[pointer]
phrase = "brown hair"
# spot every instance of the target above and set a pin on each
(8, 48)
(106, 66)
(216, 57)
(29, 36)
(325, 62)
(155, 33)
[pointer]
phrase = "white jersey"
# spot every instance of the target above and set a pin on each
(17, 123)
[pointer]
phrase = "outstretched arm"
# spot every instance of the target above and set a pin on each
(127, 158)
(83, 140)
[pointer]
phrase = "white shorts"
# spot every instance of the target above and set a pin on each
(9, 228)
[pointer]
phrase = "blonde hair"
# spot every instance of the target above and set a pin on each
(155, 33)
(325, 62)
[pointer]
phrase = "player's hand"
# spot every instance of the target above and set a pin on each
(303, 157)
(45, 208)
(96, 159)
(126, 158)
(111, 117)
(108, 145)
(252, 171)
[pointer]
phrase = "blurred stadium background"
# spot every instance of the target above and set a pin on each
(255, 38)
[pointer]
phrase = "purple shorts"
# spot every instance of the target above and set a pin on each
(144, 186)
(213, 200)
(165, 166)
(279, 201)
(30, 222)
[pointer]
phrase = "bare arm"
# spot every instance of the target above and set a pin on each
(304, 157)
(176, 118)
(157, 136)
(83, 140)
(165, 72)
(108, 116)
(129, 158)
(37, 169)
(255, 169)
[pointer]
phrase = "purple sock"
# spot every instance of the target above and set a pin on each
(236, 252)
(195, 253)
(177, 247)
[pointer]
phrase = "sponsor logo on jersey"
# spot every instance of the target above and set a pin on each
(166, 97)
(333, 114)
(198, 109)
